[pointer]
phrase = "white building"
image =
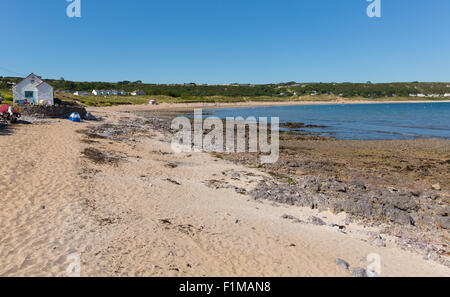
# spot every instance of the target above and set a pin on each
(33, 90)
(137, 93)
(100, 93)
(447, 95)
(80, 93)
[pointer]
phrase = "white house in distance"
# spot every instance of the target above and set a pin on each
(137, 93)
(108, 93)
(33, 90)
(80, 93)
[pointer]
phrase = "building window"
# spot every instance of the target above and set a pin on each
(29, 94)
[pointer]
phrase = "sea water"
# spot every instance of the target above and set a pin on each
(358, 121)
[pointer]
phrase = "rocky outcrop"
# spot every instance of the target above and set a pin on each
(372, 204)
(46, 111)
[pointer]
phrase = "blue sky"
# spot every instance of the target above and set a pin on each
(218, 41)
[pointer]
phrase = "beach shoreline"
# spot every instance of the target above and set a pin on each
(191, 106)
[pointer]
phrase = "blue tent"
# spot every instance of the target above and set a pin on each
(75, 117)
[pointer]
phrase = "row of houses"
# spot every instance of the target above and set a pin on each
(430, 95)
(108, 93)
(33, 90)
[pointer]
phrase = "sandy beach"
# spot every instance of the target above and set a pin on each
(224, 148)
(128, 206)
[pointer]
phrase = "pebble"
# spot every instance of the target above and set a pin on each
(342, 263)
(379, 242)
(436, 187)
(359, 272)
(288, 217)
(416, 193)
(371, 273)
(443, 222)
(316, 221)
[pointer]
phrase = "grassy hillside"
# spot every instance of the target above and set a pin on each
(192, 93)
(7, 97)
(130, 100)
(185, 92)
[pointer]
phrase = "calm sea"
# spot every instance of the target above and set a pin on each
(359, 121)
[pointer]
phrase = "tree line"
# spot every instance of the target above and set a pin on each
(366, 90)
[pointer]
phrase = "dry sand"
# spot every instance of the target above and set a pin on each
(143, 217)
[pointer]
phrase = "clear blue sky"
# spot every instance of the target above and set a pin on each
(225, 41)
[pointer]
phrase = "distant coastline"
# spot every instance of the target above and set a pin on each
(210, 105)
